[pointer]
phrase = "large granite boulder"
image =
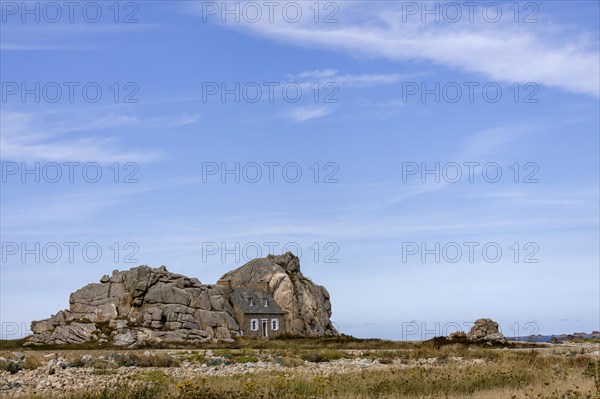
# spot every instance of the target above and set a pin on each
(486, 330)
(144, 305)
(307, 305)
(139, 306)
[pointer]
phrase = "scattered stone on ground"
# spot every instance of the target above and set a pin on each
(68, 371)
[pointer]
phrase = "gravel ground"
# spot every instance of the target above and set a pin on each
(64, 371)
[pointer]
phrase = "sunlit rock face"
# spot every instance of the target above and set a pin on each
(147, 305)
(307, 305)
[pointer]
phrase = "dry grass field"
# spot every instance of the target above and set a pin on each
(308, 369)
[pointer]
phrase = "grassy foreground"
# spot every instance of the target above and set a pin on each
(281, 342)
(318, 368)
(495, 382)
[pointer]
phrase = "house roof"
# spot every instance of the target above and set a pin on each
(242, 297)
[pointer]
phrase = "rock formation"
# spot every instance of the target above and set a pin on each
(307, 305)
(486, 330)
(482, 330)
(149, 306)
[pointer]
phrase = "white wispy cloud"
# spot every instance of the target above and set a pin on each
(305, 114)
(364, 226)
(477, 147)
(62, 36)
(548, 53)
(57, 213)
(491, 141)
(572, 197)
(348, 80)
(95, 150)
(115, 121)
(28, 136)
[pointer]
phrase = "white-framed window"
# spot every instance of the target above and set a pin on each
(250, 302)
(266, 302)
(274, 324)
(254, 324)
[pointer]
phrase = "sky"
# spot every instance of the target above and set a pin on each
(431, 163)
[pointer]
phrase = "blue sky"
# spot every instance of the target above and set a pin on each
(362, 122)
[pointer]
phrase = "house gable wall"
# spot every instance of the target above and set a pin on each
(246, 319)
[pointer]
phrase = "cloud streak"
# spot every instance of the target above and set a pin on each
(305, 114)
(548, 54)
(31, 137)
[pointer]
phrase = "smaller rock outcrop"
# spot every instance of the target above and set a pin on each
(485, 330)
(482, 330)
(457, 336)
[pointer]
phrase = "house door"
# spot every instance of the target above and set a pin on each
(265, 330)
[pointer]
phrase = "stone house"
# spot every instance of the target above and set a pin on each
(256, 312)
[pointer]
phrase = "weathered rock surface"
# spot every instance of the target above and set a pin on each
(485, 329)
(307, 305)
(149, 306)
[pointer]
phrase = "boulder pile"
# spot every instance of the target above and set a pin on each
(482, 330)
(147, 305)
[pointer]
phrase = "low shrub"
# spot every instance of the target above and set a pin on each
(136, 360)
(218, 361)
(332, 354)
(287, 361)
(245, 359)
(76, 363)
(10, 366)
(31, 363)
(159, 360)
(314, 358)
(194, 358)
(154, 377)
